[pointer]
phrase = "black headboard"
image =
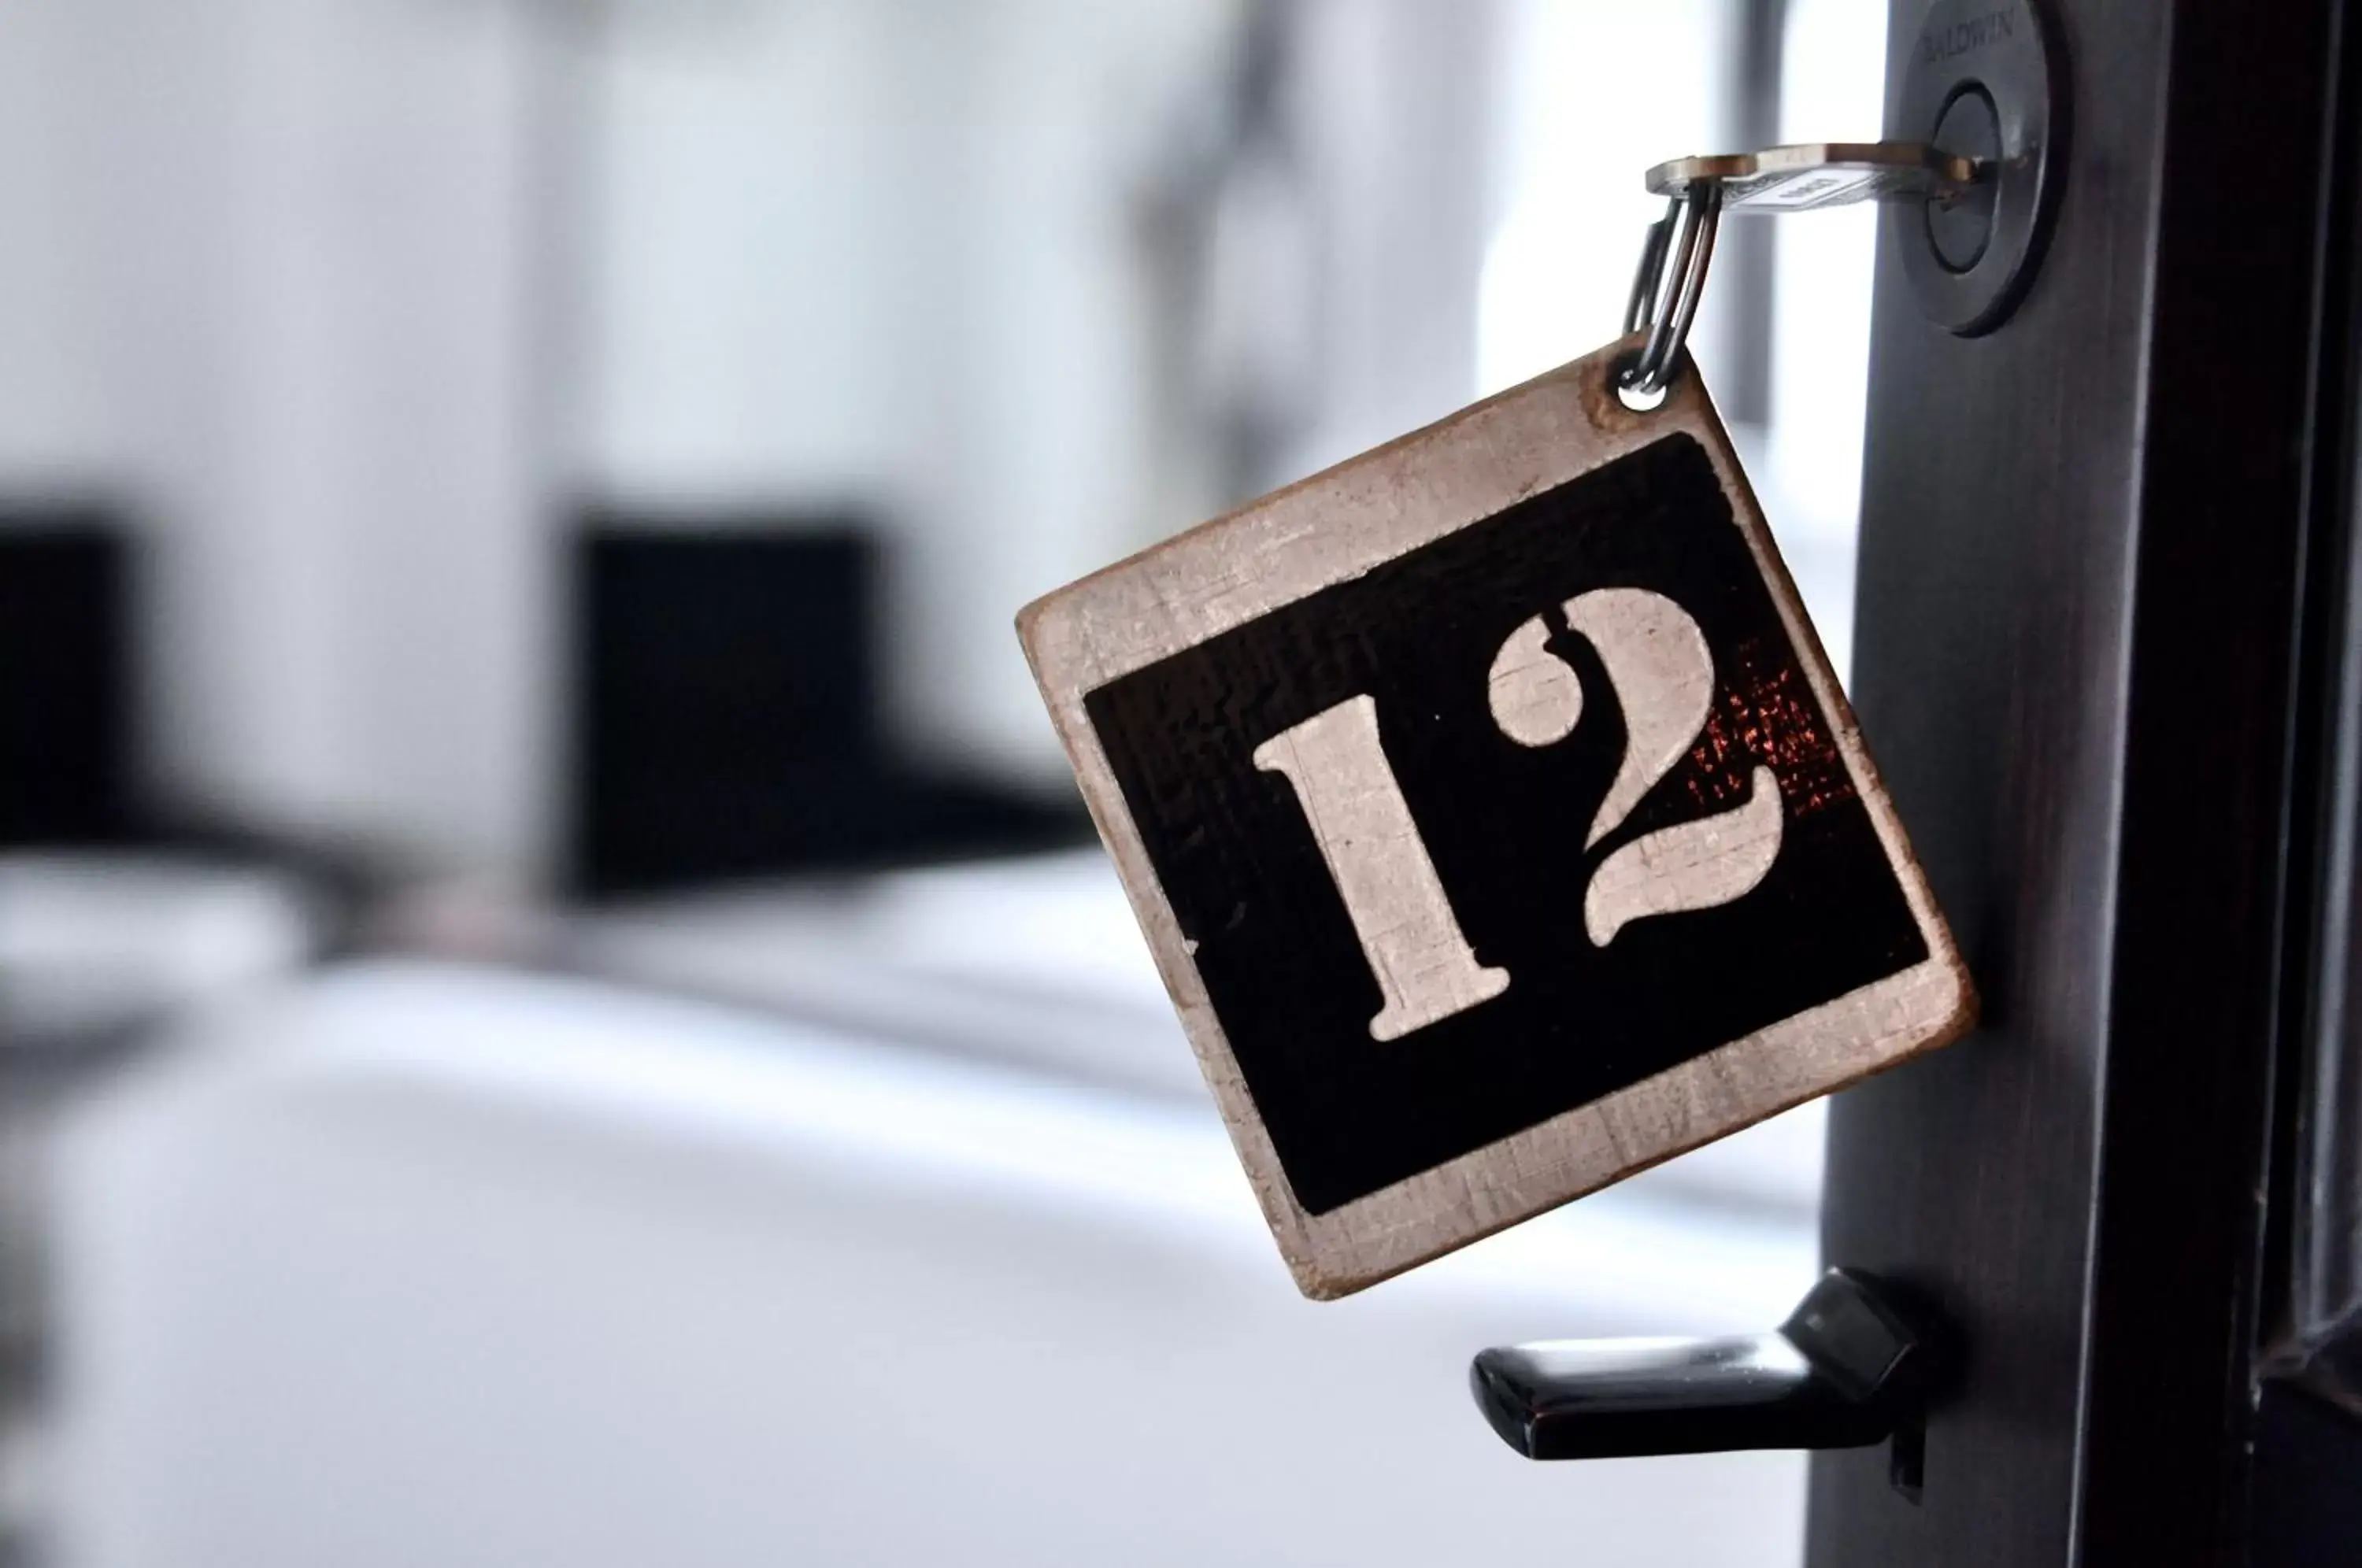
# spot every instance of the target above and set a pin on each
(726, 711)
(65, 676)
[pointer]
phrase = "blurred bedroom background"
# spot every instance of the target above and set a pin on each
(557, 1004)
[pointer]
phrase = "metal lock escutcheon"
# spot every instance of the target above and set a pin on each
(1984, 81)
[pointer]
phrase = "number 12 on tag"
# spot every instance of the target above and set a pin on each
(1494, 819)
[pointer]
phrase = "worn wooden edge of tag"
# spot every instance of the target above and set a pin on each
(1338, 524)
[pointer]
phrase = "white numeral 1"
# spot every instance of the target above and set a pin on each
(1425, 968)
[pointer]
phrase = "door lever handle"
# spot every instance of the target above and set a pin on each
(1853, 1365)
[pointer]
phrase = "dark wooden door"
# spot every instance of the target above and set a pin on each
(2104, 653)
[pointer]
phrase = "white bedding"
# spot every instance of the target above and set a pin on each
(1035, 962)
(416, 1264)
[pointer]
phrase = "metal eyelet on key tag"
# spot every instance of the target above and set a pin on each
(1491, 810)
(1667, 287)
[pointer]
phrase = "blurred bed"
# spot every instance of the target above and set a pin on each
(1034, 961)
(899, 1232)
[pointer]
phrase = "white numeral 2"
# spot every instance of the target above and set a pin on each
(1425, 968)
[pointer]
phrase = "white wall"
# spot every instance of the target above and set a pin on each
(883, 255)
(1592, 93)
(280, 292)
(1403, 169)
(55, 431)
(414, 1267)
(894, 253)
(1833, 80)
(348, 298)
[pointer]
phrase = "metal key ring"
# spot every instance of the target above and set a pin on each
(1672, 278)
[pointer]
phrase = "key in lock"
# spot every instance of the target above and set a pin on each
(1811, 175)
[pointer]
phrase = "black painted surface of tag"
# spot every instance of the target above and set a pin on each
(1509, 828)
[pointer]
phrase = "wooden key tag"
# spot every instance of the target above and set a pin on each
(1496, 821)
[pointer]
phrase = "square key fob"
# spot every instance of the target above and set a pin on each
(1495, 818)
